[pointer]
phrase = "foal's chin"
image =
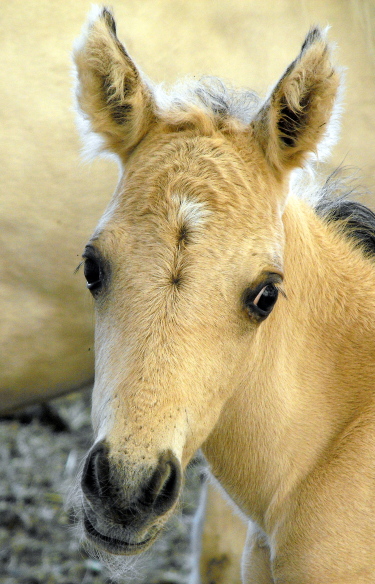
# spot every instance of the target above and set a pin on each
(115, 539)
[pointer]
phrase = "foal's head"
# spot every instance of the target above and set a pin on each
(185, 265)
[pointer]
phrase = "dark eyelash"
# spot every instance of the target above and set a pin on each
(86, 256)
(273, 279)
(280, 289)
(78, 267)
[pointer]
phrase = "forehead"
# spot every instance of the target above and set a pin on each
(192, 217)
(192, 178)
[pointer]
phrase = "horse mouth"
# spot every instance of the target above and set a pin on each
(114, 545)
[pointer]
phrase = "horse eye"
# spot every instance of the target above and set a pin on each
(261, 301)
(93, 275)
(266, 299)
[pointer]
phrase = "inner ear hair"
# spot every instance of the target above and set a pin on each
(294, 119)
(112, 97)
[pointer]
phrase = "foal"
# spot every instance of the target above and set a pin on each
(231, 316)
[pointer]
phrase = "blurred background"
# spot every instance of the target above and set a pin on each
(50, 202)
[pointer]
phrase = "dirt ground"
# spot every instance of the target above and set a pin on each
(39, 456)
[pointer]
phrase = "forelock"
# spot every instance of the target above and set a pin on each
(208, 103)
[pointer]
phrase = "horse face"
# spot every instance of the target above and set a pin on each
(180, 288)
(184, 266)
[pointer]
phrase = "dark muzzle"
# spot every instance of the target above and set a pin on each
(122, 519)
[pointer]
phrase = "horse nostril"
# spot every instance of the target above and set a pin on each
(164, 485)
(107, 489)
(95, 476)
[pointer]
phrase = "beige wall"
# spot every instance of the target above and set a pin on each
(50, 201)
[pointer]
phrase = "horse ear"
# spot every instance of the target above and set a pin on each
(294, 119)
(113, 100)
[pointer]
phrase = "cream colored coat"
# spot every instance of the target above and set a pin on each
(50, 201)
(183, 268)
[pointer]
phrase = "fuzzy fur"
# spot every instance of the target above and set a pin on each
(208, 211)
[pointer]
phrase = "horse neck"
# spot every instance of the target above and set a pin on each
(330, 306)
(311, 369)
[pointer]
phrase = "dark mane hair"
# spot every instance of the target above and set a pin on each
(357, 220)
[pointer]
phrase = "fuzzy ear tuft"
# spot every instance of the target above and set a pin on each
(113, 100)
(295, 118)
